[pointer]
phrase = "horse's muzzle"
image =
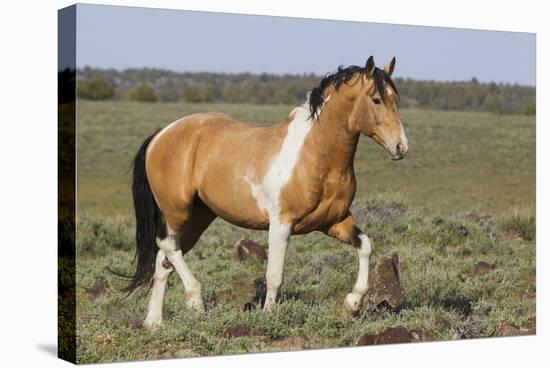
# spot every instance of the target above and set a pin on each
(401, 150)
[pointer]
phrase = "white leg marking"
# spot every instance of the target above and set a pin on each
(278, 243)
(354, 299)
(154, 313)
(173, 252)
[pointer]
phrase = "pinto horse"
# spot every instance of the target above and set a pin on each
(293, 177)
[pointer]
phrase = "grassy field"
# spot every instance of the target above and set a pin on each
(459, 211)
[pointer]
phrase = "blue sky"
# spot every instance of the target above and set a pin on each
(125, 37)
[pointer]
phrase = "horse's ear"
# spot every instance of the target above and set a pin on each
(369, 67)
(390, 67)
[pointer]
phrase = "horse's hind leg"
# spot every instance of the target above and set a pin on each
(180, 241)
(160, 278)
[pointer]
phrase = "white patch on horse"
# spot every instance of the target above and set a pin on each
(268, 192)
(257, 192)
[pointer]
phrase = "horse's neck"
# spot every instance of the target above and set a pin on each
(332, 141)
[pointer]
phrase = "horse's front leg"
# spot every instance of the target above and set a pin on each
(278, 243)
(347, 232)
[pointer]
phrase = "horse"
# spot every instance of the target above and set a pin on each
(293, 177)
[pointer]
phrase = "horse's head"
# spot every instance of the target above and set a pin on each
(375, 112)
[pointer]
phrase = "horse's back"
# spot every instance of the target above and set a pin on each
(213, 156)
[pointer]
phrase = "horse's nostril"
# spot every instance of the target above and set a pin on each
(399, 148)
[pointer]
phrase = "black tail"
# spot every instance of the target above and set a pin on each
(149, 222)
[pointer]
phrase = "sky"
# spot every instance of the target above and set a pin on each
(130, 37)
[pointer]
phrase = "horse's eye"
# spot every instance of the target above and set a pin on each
(376, 101)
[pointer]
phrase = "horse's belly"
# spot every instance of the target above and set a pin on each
(320, 220)
(234, 203)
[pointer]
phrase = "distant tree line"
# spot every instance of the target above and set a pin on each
(149, 85)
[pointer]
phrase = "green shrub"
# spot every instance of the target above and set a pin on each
(522, 223)
(143, 93)
(196, 93)
(96, 236)
(94, 89)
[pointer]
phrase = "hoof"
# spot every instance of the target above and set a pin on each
(196, 304)
(352, 304)
(152, 325)
(269, 304)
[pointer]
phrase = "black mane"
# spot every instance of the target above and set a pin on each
(344, 75)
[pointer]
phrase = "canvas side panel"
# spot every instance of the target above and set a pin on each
(66, 315)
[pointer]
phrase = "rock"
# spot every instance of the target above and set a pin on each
(247, 250)
(365, 340)
(237, 331)
(391, 335)
(384, 282)
(101, 289)
(482, 267)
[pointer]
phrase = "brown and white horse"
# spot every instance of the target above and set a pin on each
(293, 177)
